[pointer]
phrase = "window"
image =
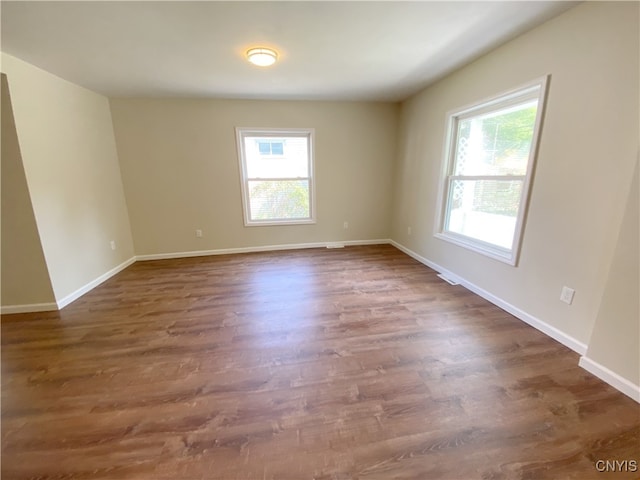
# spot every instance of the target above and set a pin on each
(490, 155)
(269, 147)
(276, 167)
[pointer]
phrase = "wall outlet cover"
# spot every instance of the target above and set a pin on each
(567, 295)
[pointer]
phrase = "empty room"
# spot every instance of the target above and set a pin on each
(320, 240)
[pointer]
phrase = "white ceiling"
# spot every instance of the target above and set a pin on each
(328, 50)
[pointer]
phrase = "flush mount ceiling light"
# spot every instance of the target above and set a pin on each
(263, 57)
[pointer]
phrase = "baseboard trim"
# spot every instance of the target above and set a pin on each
(603, 373)
(264, 248)
(63, 302)
(29, 308)
(536, 323)
(612, 378)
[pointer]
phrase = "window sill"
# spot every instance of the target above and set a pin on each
(486, 249)
(272, 223)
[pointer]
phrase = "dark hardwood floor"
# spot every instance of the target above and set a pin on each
(356, 363)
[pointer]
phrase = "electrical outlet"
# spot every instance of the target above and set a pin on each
(408, 230)
(345, 225)
(113, 244)
(199, 233)
(567, 295)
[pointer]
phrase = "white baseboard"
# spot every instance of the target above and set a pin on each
(536, 323)
(265, 248)
(60, 304)
(63, 302)
(612, 378)
(603, 373)
(30, 308)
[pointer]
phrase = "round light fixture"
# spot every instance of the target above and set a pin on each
(263, 57)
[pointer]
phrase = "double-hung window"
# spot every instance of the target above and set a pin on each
(488, 166)
(276, 168)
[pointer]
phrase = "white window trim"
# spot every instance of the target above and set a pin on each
(504, 99)
(242, 132)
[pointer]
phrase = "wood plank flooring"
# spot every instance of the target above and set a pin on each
(356, 363)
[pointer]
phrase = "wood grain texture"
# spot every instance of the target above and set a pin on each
(312, 364)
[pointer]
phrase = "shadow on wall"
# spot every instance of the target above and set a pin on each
(25, 278)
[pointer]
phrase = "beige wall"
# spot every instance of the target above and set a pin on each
(587, 153)
(25, 279)
(69, 156)
(180, 170)
(615, 341)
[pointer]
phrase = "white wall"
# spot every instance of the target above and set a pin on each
(65, 136)
(25, 279)
(180, 170)
(587, 154)
(615, 340)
